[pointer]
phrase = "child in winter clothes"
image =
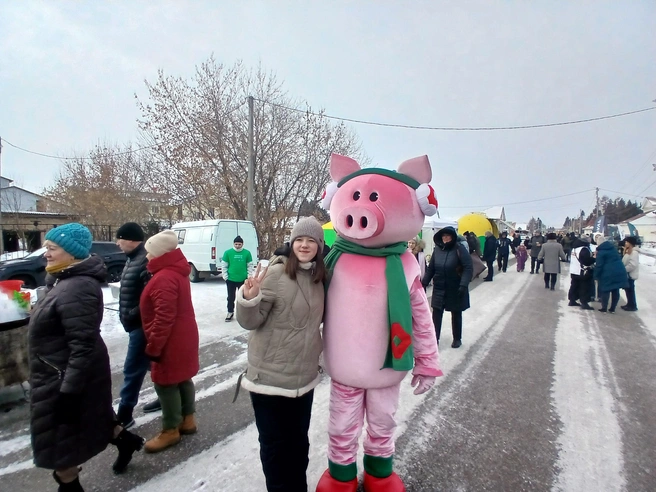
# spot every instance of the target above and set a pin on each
(522, 255)
(171, 338)
(283, 308)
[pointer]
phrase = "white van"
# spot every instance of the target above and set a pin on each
(203, 242)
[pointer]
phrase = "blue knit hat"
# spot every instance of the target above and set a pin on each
(73, 238)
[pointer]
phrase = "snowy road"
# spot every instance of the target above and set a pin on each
(540, 397)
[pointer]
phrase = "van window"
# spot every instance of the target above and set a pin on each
(228, 232)
(181, 236)
(193, 235)
(207, 235)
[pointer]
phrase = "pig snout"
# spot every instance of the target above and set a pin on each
(360, 222)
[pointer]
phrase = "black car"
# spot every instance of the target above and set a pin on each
(31, 269)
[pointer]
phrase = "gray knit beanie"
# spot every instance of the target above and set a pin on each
(310, 227)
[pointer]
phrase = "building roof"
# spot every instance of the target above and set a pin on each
(497, 213)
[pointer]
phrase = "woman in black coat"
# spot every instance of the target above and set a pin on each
(72, 418)
(450, 269)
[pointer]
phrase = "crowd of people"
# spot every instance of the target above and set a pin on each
(71, 412)
(72, 418)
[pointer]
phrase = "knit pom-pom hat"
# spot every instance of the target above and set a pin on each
(162, 243)
(310, 227)
(73, 238)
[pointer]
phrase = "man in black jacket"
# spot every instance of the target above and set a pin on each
(489, 253)
(504, 245)
(130, 237)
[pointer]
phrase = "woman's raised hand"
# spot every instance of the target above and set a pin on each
(252, 284)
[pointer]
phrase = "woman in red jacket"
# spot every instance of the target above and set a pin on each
(172, 338)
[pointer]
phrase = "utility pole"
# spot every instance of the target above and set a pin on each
(597, 200)
(2, 233)
(251, 158)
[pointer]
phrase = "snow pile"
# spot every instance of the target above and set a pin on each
(9, 310)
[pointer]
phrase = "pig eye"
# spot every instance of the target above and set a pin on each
(373, 197)
(356, 196)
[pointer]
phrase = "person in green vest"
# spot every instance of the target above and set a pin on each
(236, 266)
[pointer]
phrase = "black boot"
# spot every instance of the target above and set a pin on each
(73, 486)
(127, 443)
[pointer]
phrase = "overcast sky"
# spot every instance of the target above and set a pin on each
(69, 72)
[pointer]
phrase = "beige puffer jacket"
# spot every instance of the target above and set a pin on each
(285, 343)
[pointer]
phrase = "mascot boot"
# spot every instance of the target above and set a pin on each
(348, 481)
(379, 477)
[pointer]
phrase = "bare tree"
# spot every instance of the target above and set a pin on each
(196, 131)
(105, 189)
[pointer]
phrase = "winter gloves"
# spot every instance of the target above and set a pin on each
(68, 408)
(422, 383)
(462, 290)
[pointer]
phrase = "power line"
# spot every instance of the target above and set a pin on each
(125, 152)
(527, 201)
(647, 187)
(621, 192)
(447, 128)
(652, 154)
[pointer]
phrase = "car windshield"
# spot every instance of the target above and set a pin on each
(37, 252)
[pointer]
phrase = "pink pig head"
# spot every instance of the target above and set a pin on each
(375, 207)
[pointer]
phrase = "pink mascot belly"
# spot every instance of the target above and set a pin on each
(356, 333)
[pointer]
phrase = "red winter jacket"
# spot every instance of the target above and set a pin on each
(169, 321)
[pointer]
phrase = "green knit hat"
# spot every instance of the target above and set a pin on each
(73, 238)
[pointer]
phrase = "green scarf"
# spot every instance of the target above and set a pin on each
(399, 352)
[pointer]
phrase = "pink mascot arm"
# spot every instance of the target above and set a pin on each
(423, 334)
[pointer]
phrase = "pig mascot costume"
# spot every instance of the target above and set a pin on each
(377, 323)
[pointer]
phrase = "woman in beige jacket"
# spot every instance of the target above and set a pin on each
(283, 305)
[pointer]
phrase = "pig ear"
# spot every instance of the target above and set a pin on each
(417, 168)
(341, 166)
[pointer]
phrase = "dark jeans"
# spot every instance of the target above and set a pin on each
(630, 295)
(502, 262)
(535, 264)
(614, 298)
(232, 294)
(490, 269)
(282, 424)
(178, 401)
(550, 279)
(134, 369)
(456, 323)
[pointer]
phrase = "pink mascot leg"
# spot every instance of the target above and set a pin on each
(344, 429)
(381, 405)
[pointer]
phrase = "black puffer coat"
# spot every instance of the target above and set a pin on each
(133, 280)
(442, 271)
(64, 334)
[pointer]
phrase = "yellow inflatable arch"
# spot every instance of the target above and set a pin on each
(479, 224)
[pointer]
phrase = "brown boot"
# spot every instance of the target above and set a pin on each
(188, 425)
(165, 439)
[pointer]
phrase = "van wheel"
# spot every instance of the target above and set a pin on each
(114, 274)
(194, 276)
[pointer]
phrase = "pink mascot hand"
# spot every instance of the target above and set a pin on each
(423, 383)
